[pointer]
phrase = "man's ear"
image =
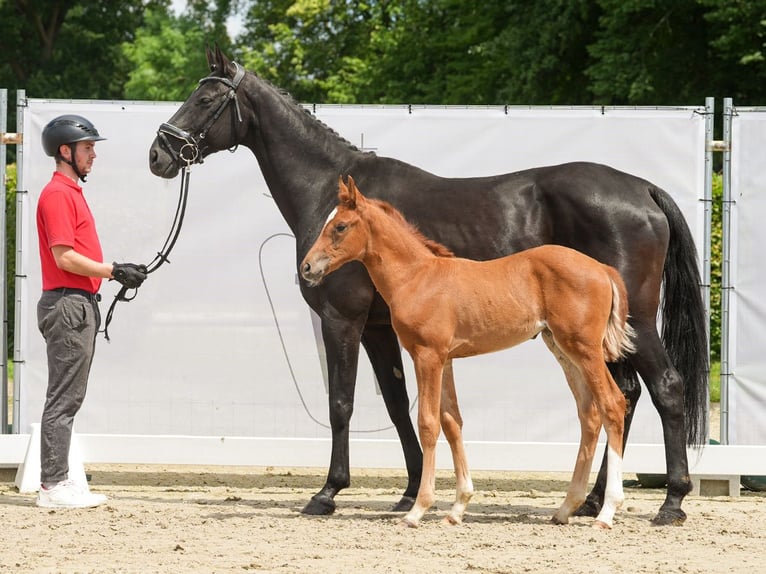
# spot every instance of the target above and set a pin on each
(66, 152)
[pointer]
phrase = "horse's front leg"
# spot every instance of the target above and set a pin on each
(452, 423)
(428, 368)
(382, 348)
(341, 339)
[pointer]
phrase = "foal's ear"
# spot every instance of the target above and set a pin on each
(347, 194)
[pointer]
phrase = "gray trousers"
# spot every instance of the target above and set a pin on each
(69, 324)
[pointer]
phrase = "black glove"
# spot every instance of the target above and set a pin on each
(129, 274)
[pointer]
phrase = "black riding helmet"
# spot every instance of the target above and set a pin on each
(68, 129)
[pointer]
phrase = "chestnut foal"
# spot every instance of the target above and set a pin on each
(444, 307)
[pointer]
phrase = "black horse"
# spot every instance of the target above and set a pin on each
(615, 217)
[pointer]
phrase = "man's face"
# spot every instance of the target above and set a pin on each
(85, 153)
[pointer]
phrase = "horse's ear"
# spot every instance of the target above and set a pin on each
(221, 61)
(346, 195)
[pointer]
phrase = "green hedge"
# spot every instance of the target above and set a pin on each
(10, 248)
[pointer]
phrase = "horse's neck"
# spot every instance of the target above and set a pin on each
(393, 254)
(299, 157)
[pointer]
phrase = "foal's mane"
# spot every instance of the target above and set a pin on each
(433, 246)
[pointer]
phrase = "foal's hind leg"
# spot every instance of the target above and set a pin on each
(590, 426)
(611, 405)
(452, 424)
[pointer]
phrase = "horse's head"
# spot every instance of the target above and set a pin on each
(343, 237)
(199, 127)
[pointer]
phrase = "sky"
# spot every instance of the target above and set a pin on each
(233, 24)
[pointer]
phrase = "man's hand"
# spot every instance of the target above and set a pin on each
(129, 274)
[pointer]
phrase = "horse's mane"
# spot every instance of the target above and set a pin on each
(433, 246)
(294, 103)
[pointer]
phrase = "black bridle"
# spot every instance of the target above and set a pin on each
(195, 148)
(192, 148)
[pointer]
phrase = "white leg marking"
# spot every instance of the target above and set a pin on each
(613, 496)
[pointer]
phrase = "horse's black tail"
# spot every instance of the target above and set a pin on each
(684, 335)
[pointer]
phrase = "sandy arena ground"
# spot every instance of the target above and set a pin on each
(245, 519)
(235, 519)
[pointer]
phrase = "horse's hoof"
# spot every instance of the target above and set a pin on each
(589, 508)
(404, 505)
(452, 521)
(600, 525)
(669, 518)
(319, 506)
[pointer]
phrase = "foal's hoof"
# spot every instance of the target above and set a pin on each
(319, 506)
(556, 520)
(589, 508)
(669, 518)
(452, 520)
(404, 505)
(600, 525)
(407, 523)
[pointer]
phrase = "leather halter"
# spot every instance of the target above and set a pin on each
(192, 148)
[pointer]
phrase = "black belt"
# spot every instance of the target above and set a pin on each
(93, 297)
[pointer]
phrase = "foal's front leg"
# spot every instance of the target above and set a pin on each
(428, 369)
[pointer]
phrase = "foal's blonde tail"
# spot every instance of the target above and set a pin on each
(618, 339)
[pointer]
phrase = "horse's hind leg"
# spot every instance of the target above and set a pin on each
(667, 391)
(452, 424)
(382, 348)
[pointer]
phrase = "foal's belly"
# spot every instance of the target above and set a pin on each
(497, 339)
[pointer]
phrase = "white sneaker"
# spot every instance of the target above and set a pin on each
(68, 494)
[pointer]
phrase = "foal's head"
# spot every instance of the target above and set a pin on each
(343, 238)
(346, 234)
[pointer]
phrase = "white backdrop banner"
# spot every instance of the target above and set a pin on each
(220, 342)
(747, 312)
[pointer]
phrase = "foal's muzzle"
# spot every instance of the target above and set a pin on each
(314, 272)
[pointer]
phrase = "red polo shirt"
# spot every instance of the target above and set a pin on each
(64, 218)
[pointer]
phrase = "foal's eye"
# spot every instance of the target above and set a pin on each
(340, 227)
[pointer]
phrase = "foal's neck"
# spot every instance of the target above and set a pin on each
(394, 254)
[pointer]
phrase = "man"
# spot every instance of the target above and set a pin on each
(68, 315)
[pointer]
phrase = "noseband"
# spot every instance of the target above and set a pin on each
(191, 148)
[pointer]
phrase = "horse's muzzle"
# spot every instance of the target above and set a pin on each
(161, 163)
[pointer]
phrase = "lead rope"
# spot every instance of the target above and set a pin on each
(162, 255)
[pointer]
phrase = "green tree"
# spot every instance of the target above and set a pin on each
(649, 52)
(738, 45)
(317, 50)
(167, 57)
(59, 49)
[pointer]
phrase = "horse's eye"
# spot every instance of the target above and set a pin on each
(204, 100)
(340, 227)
